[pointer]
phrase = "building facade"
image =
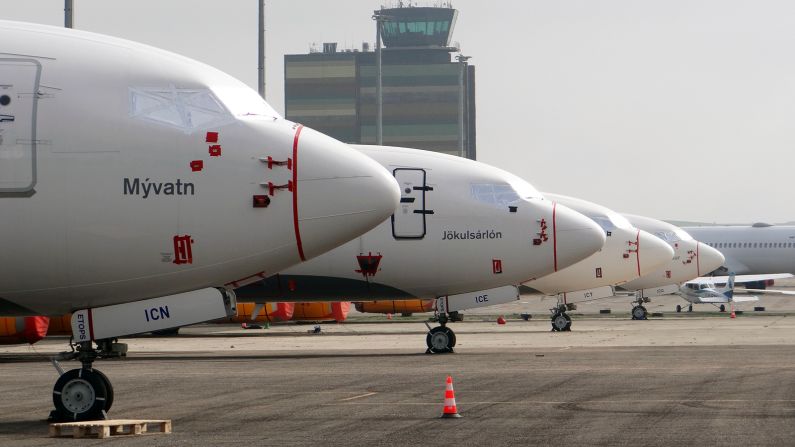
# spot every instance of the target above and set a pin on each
(428, 99)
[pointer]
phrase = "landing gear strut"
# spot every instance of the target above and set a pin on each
(84, 393)
(441, 339)
(561, 321)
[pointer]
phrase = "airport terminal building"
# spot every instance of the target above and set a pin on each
(428, 97)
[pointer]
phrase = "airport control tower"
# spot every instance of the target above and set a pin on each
(428, 95)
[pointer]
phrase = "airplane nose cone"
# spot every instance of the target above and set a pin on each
(708, 258)
(340, 193)
(653, 253)
(576, 236)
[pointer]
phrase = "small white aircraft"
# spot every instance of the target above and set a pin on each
(628, 253)
(136, 186)
(704, 290)
(465, 233)
(755, 249)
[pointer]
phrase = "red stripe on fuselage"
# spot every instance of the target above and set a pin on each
(698, 261)
(295, 194)
(637, 250)
(554, 237)
(90, 325)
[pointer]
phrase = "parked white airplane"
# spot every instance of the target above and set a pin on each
(465, 232)
(628, 253)
(691, 260)
(704, 291)
(130, 177)
(757, 249)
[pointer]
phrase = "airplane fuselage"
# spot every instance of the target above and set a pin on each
(751, 250)
(129, 172)
(627, 254)
(691, 258)
(461, 226)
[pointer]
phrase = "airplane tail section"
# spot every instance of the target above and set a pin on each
(728, 291)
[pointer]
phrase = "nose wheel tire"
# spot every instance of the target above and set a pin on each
(108, 388)
(639, 313)
(678, 308)
(80, 395)
(561, 322)
(440, 340)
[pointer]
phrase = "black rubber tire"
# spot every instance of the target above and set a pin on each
(678, 308)
(639, 313)
(68, 393)
(437, 332)
(722, 308)
(690, 308)
(560, 317)
(108, 389)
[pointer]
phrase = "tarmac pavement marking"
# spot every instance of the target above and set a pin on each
(357, 397)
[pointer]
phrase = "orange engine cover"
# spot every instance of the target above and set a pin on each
(60, 325)
(395, 307)
(18, 330)
(270, 312)
(321, 311)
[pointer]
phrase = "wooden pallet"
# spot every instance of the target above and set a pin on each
(112, 427)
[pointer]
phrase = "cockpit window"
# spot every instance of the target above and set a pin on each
(603, 222)
(610, 221)
(184, 109)
(667, 236)
(496, 194)
(193, 109)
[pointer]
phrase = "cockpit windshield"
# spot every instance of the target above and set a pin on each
(674, 235)
(609, 221)
(511, 191)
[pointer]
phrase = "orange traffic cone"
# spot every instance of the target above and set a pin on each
(388, 316)
(733, 314)
(450, 409)
(500, 320)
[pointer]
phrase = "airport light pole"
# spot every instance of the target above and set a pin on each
(379, 99)
(68, 12)
(462, 60)
(261, 56)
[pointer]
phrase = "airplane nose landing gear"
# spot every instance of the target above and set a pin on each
(639, 313)
(84, 393)
(80, 395)
(561, 321)
(441, 339)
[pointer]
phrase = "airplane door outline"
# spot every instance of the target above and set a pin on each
(19, 94)
(408, 221)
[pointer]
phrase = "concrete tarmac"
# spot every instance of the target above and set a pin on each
(680, 380)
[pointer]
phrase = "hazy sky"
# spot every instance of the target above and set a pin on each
(675, 109)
